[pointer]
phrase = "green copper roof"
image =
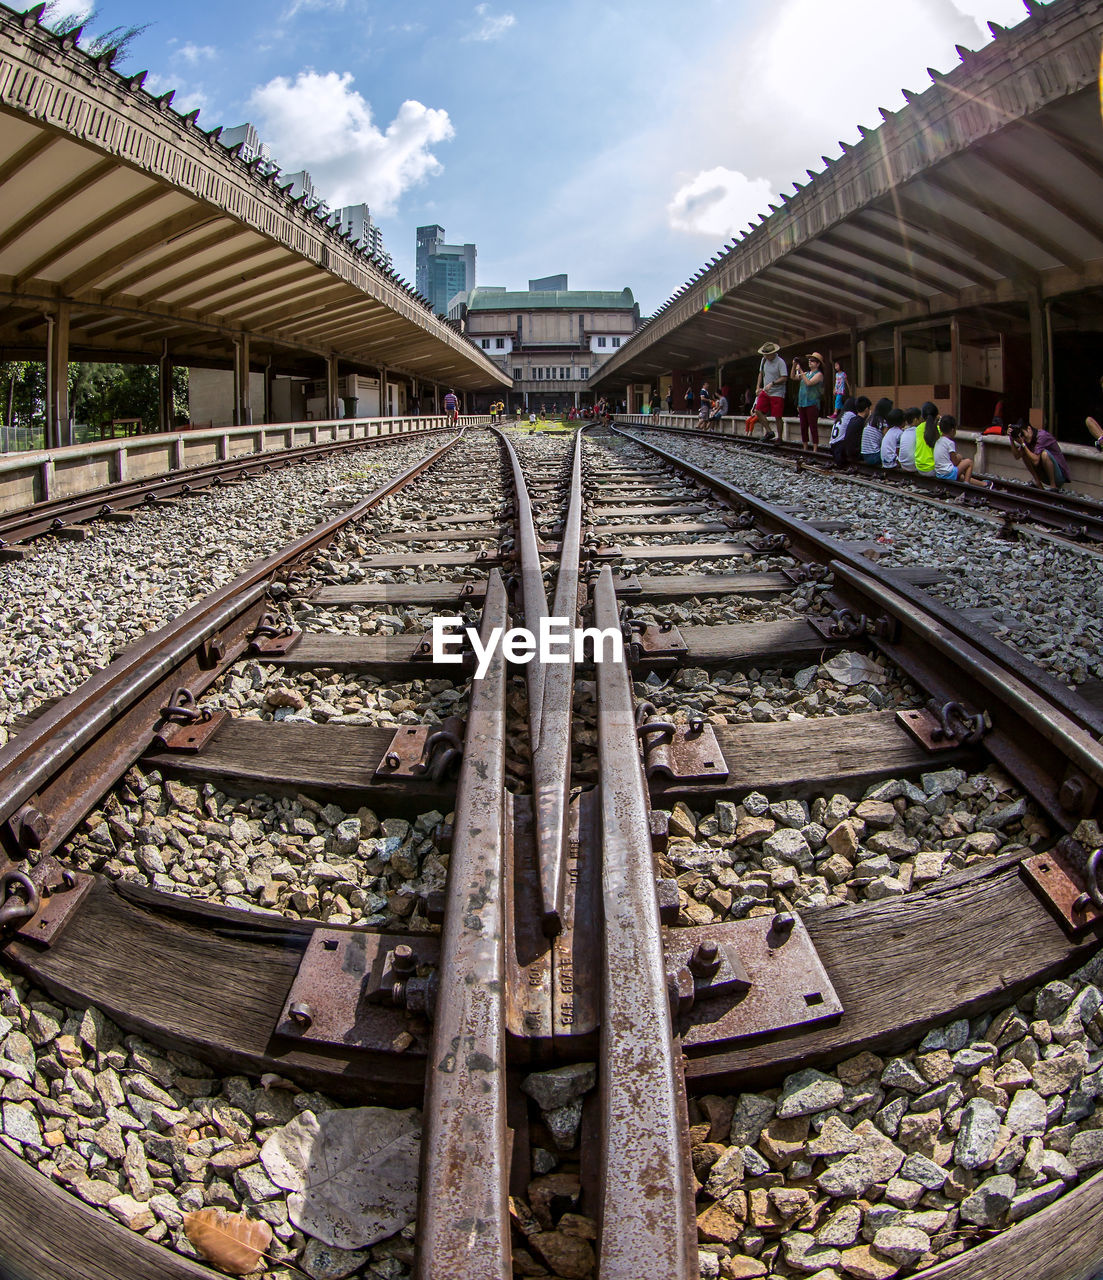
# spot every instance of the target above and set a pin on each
(551, 299)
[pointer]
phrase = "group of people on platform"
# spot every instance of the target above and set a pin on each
(921, 440)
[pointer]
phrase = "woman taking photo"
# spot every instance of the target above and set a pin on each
(809, 399)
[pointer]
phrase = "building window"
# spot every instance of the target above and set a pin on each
(499, 344)
(564, 374)
(584, 373)
(601, 342)
(615, 342)
(518, 375)
(486, 344)
(537, 373)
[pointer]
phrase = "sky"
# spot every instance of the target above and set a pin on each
(621, 142)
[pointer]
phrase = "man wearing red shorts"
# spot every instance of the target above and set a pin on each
(770, 390)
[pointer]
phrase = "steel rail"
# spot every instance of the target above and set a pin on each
(647, 1223)
(823, 549)
(1074, 743)
(58, 744)
(533, 597)
(551, 758)
(1059, 512)
(549, 723)
(43, 517)
(464, 1195)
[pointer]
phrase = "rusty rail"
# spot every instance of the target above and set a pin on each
(1066, 515)
(551, 757)
(54, 771)
(808, 544)
(647, 1222)
(60, 513)
(533, 598)
(465, 1152)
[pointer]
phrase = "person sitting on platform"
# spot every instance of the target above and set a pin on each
(1042, 455)
(846, 434)
(890, 441)
(948, 463)
(926, 437)
(905, 453)
(873, 431)
(719, 409)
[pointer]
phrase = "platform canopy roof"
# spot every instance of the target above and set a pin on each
(156, 236)
(984, 189)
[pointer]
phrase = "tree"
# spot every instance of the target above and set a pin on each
(100, 392)
(95, 44)
(23, 389)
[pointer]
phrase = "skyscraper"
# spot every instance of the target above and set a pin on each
(442, 270)
(356, 220)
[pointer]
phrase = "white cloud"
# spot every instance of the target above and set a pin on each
(196, 52)
(66, 11)
(323, 124)
(490, 26)
(185, 98)
(1007, 13)
(718, 202)
(299, 6)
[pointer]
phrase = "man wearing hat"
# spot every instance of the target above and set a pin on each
(809, 399)
(770, 391)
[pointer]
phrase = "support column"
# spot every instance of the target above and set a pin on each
(1051, 388)
(268, 376)
(384, 394)
(1039, 358)
(58, 430)
(955, 368)
(331, 386)
(245, 400)
(166, 418)
(237, 383)
(897, 363)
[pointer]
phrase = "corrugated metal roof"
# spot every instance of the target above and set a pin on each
(985, 188)
(551, 299)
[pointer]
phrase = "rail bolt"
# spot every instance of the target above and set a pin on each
(782, 926)
(302, 1015)
(32, 828)
(1073, 796)
(681, 990)
(404, 958)
(705, 960)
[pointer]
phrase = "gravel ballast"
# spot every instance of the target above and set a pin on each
(71, 605)
(1047, 597)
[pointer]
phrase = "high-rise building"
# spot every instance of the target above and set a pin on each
(356, 220)
(549, 284)
(442, 270)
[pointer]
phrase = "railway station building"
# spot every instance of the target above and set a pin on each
(548, 340)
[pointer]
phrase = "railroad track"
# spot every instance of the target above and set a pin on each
(69, 517)
(1068, 516)
(706, 986)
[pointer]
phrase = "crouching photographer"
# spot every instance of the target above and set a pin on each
(1042, 455)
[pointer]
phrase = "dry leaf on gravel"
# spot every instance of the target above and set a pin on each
(229, 1240)
(352, 1173)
